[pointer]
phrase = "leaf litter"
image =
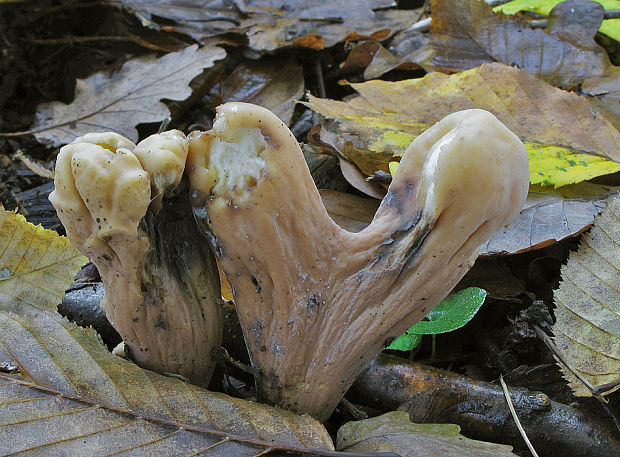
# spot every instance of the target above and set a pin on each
(259, 29)
(563, 54)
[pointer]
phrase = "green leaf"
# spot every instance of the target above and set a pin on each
(610, 27)
(452, 313)
(406, 342)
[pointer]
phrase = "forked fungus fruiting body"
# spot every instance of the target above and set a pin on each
(316, 302)
(126, 208)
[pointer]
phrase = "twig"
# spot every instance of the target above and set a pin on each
(33, 166)
(319, 76)
(432, 395)
(225, 356)
(352, 410)
(604, 388)
(553, 348)
(81, 39)
(515, 417)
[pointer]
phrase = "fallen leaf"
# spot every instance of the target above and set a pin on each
(587, 328)
(276, 85)
(102, 404)
(313, 24)
(381, 122)
(411, 49)
(452, 313)
(563, 54)
(394, 432)
(555, 166)
(36, 264)
(605, 92)
(317, 24)
(610, 27)
(494, 276)
(548, 216)
(120, 101)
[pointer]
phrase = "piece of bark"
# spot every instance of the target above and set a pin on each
(431, 395)
(81, 305)
(33, 204)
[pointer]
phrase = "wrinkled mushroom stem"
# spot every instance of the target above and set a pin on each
(126, 208)
(317, 303)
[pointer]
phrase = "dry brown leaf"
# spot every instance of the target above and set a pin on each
(407, 51)
(268, 25)
(605, 92)
(563, 54)
(120, 101)
(394, 432)
(587, 330)
(349, 211)
(276, 85)
(116, 406)
(549, 216)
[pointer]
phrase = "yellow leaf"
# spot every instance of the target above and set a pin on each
(36, 265)
(377, 126)
(393, 167)
(554, 166)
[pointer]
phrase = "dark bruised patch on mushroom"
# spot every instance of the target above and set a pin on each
(312, 304)
(392, 199)
(415, 247)
(255, 282)
(256, 328)
(389, 340)
(160, 323)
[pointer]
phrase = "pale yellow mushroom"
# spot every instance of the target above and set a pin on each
(317, 303)
(126, 208)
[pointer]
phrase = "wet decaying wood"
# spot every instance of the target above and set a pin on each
(431, 395)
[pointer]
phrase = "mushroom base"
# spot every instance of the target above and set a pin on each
(175, 322)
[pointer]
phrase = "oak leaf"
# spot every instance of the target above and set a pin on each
(120, 101)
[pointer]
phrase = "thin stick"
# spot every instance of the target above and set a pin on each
(319, 76)
(515, 417)
(79, 39)
(553, 348)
